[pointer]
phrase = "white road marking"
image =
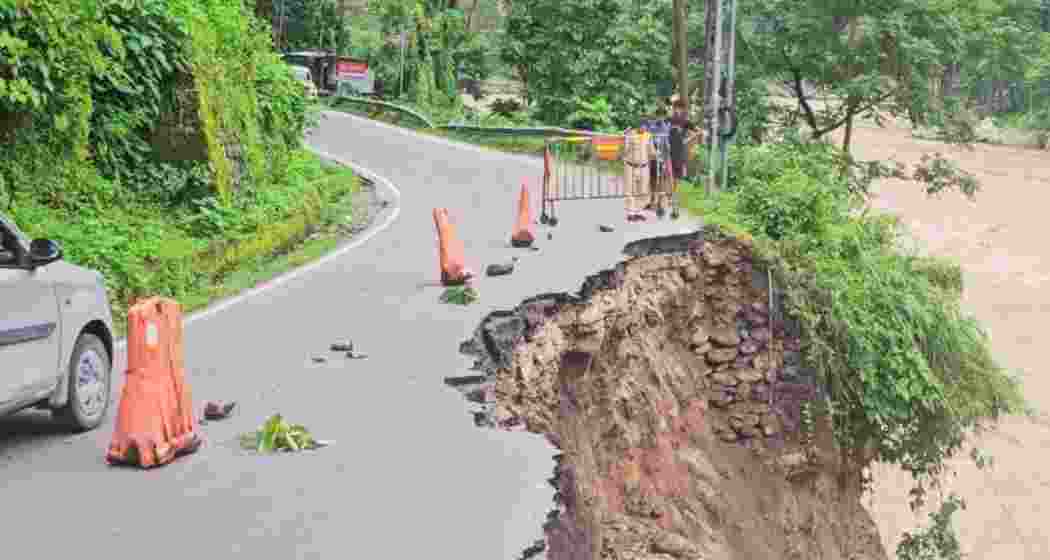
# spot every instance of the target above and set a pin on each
(295, 273)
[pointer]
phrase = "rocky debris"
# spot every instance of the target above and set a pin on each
(533, 550)
(319, 359)
(502, 269)
(218, 410)
(606, 229)
(343, 346)
(690, 393)
(354, 355)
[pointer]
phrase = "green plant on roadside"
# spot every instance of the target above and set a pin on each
(459, 295)
(277, 434)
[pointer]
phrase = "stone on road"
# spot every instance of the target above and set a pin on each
(414, 477)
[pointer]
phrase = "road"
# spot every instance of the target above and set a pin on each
(408, 476)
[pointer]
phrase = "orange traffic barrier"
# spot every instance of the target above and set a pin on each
(607, 148)
(155, 422)
(450, 251)
(522, 236)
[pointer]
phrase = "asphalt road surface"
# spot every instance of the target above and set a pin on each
(408, 475)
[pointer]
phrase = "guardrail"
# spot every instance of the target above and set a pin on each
(541, 131)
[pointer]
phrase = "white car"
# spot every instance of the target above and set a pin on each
(56, 332)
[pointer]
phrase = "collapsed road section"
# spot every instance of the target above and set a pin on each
(675, 395)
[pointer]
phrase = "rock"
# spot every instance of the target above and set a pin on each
(760, 335)
(724, 378)
(700, 337)
(499, 269)
(757, 320)
(742, 362)
(749, 347)
(675, 545)
(741, 420)
(728, 435)
(343, 346)
(761, 361)
(760, 308)
(771, 424)
(356, 355)
(691, 273)
(606, 229)
(218, 410)
(721, 398)
(750, 431)
(721, 355)
(793, 461)
(704, 349)
(550, 236)
(725, 337)
(749, 375)
(319, 359)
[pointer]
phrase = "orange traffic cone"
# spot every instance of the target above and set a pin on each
(155, 421)
(522, 236)
(450, 251)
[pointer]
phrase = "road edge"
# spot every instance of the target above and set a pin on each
(379, 225)
(536, 160)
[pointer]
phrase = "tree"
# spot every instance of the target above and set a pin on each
(572, 53)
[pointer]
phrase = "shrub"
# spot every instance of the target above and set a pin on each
(907, 373)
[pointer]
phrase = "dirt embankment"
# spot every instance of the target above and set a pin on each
(675, 397)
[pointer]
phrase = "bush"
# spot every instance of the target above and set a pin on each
(907, 373)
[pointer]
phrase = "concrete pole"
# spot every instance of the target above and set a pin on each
(730, 84)
(712, 83)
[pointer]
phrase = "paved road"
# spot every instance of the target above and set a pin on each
(409, 475)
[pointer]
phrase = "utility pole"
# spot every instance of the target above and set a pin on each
(712, 82)
(681, 48)
(728, 106)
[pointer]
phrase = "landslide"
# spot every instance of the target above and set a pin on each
(674, 392)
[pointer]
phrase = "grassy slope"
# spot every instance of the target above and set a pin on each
(145, 249)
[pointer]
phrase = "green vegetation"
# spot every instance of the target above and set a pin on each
(907, 373)
(459, 295)
(160, 141)
(277, 434)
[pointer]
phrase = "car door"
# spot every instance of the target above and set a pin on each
(29, 333)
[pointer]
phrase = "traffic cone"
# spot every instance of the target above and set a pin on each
(522, 236)
(155, 422)
(450, 251)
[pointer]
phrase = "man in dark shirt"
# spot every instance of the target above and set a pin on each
(683, 133)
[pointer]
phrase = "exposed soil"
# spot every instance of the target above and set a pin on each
(674, 392)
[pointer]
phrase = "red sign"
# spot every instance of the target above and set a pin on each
(351, 68)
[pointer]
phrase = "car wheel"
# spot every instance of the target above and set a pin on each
(88, 386)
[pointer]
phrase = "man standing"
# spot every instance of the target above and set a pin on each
(683, 134)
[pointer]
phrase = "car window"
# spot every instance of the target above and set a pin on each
(5, 223)
(8, 246)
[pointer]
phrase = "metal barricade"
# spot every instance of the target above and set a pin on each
(635, 167)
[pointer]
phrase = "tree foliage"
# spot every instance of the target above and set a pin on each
(571, 53)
